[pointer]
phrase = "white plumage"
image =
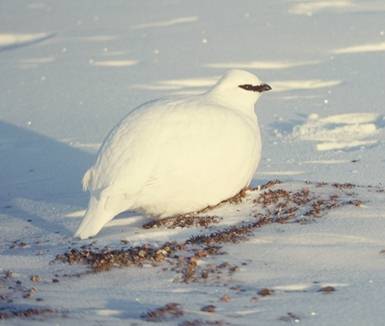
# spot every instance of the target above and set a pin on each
(178, 155)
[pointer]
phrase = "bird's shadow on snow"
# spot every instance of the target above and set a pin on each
(38, 173)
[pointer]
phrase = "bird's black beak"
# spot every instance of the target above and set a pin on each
(256, 88)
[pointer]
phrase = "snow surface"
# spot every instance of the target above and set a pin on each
(71, 70)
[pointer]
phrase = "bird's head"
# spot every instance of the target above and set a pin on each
(239, 88)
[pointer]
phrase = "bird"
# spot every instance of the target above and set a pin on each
(177, 155)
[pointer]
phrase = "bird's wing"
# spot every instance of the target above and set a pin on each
(158, 137)
(129, 152)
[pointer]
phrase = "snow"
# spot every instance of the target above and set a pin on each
(71, 70)
(8, 40)
(113, 63)
(289, 85)
(260, 65)
(341, 131)
(167, 23)
(372, 47)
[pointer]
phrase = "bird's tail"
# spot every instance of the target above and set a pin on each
(96, 217)
(87, 179)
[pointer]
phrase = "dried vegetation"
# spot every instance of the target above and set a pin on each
(12, 289)
(271, 203)
(167, 312)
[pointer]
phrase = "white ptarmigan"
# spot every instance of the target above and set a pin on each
(177, 155)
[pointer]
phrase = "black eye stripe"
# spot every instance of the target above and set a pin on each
(256, 88)
(247, 87)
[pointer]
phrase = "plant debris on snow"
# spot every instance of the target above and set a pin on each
(183, 221)
(164, 313)
(271, 203)
(105, 259)
(12, 289)
(192, 259)
(200, 322)
(327, 289)
(13, 311)
(290, 317)
(265, 292)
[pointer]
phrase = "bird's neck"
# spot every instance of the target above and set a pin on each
(234, 102)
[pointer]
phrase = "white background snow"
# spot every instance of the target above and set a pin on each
(70, 70)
